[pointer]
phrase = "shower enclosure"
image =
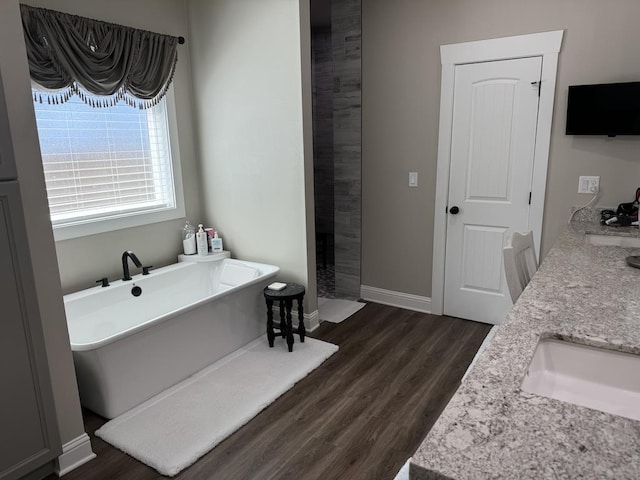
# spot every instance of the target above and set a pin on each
(336, 77)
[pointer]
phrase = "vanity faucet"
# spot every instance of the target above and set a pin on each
(125, 263)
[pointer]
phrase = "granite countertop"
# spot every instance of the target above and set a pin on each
(492, 429)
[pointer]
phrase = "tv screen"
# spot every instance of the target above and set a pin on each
(606, 109)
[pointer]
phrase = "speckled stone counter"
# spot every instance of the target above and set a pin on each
(492, 429)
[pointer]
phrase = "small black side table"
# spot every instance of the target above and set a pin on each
(285, 297)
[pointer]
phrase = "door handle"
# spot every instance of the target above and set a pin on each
(454, 210)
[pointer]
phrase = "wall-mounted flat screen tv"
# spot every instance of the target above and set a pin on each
(605, 109)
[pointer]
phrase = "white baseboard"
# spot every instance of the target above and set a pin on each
(74, 453)
(396, 299)
(311, 320)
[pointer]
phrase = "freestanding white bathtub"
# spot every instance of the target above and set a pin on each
(128, 348)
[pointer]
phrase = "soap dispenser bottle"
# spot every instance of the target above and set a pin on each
(216, 243)
(201, 241)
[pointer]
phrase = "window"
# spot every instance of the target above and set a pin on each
(107, 168)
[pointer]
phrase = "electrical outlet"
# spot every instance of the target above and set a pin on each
(588, 184)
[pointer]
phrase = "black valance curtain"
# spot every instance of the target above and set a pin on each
(100, 62)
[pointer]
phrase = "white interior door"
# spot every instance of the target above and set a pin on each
(495, 116)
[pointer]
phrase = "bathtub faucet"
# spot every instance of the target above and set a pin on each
(125, 263)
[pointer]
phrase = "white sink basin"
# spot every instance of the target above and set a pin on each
(613, 241)
(596, 378)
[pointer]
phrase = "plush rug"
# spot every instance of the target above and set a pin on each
(337, 310)
(172, 430)
(403, 474)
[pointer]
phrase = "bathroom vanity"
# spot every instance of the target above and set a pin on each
(584, 293)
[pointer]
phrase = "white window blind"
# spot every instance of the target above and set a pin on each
(101, 163)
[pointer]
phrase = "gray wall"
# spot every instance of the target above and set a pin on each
(254, 129)
(84, 260)
(15, 76)
(401, 95)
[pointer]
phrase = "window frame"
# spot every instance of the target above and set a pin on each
(97, 225)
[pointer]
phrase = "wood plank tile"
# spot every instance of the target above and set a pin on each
(360, 415)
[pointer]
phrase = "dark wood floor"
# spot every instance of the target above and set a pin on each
(360, 415)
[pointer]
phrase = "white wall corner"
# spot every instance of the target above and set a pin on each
(74, 453)
(396, 299)
(311, 320)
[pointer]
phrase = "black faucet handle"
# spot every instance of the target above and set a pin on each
(145, 270)
(104, 281)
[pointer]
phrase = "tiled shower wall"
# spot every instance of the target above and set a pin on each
(322, 74)
(346, 32)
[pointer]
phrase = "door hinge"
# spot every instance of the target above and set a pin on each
(539, 84)
(529, 198)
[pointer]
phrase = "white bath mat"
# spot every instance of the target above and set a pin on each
(403, 474)
(172, 430)
(336, 310)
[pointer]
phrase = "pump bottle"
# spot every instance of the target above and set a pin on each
(201, 241)
(216, 243)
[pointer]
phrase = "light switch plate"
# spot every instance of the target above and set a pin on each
(413, 179)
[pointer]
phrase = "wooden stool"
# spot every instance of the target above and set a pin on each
(285, 297)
